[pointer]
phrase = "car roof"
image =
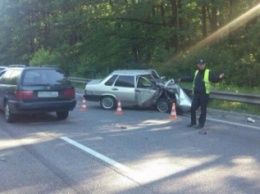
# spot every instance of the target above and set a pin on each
(133, 71)
(31, 67)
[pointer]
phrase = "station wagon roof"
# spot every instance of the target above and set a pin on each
(32, 67)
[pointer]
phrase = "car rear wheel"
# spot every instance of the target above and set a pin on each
(163, 105)
(108, 103)
(9, 117)
(61, 115)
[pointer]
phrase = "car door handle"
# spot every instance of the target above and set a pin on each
(137, 91)
(114, 89)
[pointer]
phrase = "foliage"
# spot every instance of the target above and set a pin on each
(43, 56)
(92, 38)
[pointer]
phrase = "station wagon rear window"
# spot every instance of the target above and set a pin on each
(43, 77)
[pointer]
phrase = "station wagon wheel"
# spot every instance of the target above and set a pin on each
(9, 117)
(108, 103)
(61, 115)
(163, 105)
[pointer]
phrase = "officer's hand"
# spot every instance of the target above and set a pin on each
(221, 76)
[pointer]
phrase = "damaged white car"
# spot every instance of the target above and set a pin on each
(137, 88)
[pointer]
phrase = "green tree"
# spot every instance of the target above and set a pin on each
(90, 37)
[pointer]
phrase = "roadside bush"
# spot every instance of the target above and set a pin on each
(43, 56)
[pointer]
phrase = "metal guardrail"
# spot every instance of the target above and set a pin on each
(221, 95)
(247, 98)
(231, 96)
(79, 80)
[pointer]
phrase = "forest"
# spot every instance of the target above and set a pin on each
(90, 38)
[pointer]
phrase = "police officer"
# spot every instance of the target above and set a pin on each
(201, 89)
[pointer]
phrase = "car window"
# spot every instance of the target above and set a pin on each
(30, 77)
(2, 68)
(14, 77)
(143, 82)
(111, 80)
(5, 77)
(11, 77)
(43, 77)
(1, 73)
(125, 81)
(149, 77)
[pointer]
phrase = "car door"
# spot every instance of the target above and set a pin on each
(145, 92)
(124, 90)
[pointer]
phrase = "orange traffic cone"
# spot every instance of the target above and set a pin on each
(119, 108)
(83, 105)
(173, 114)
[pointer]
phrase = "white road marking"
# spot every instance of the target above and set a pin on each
(144, 175)
(232, 123)
(102, 157)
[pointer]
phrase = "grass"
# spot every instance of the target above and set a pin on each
(234, 106)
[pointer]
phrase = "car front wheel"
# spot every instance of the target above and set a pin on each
(108, 103)
(61, 115)
(163, 105)
(9, 117)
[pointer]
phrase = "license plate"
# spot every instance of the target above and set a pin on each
(48, 94)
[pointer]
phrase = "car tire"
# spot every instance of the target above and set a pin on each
(9, 116)
(163, 105)
(61, 115)
(108, 103)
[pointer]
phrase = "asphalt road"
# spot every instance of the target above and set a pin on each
(140, 151)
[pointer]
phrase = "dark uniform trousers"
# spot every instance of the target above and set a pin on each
(199, 100)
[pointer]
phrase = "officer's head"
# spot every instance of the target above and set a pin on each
(201, 64)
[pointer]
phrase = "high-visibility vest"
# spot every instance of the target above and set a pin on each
(205, 79)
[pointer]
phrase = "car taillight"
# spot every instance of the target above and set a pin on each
(70, 93)
(23, 94)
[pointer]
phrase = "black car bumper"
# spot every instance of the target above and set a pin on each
(41, 107)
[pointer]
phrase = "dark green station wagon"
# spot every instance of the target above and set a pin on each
(31, 90)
